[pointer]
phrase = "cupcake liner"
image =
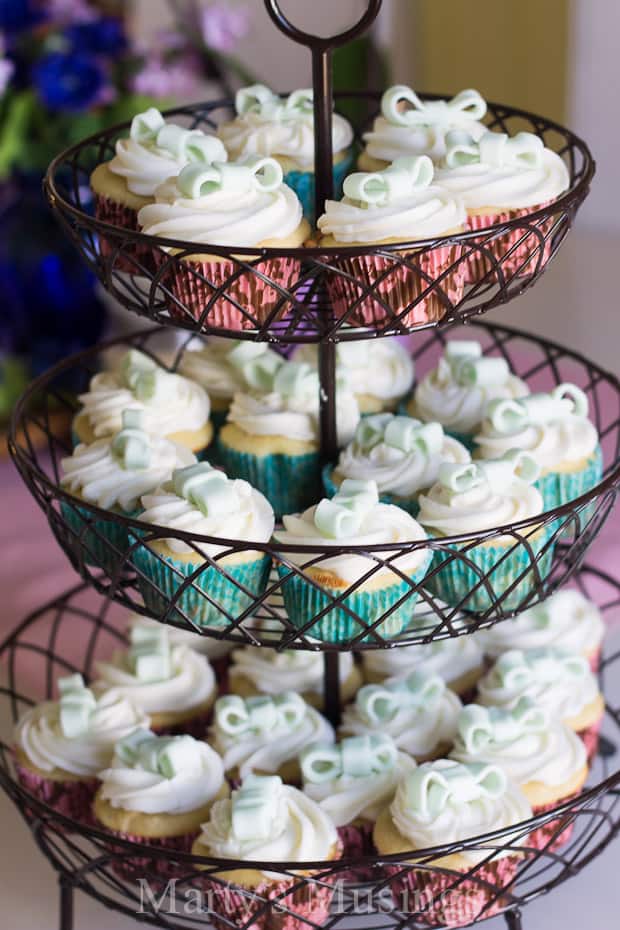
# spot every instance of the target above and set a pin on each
(543, 837)
(447, 899)
(160, 578)
(397, 285)
(303, 601)
(131, 867)
(96, 540)
(196, 726)
(595, 661)
(357, 842)
(289, 482)
(117, 214)
(478, 265)
(411, 506)
(590, 737)
(71, 798)
(559, 488)
(302, 182)
(498, 565)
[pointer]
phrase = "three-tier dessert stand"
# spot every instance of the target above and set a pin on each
(70, 633)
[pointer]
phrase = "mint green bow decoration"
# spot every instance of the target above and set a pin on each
(403, 433)
(145, 126)
(480, 727)
(145, 378)
(511, 416)
(371, 430)
(205, 488)
(498, 150)
(399, 180)
(468, 371)
(149, 653)
(343, 515)
(434, 785)
(381, 703)
(499, 474)
(456, 348)
(191, 145)
(132, 446)
(254, 173)
(517, 669)
(167, 756)
(75, 707)
(261, 101)
(236, 716)
(461, 110)
(295, 379)
(256, 363)
(355, 756)
(254, 806)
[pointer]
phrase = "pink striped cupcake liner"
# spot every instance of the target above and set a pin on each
(478, 265)
(110, 211)
(397, 285)
(72, 798)
(542, 837)
(590, 736)
(449, 900)
(131, 867)
(357, 842)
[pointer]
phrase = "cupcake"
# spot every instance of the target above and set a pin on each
(241, 205)
(267, 821)
(112, 473)
(410, 126)
(543, 756)
(271, 437)
(555, 431)
(400, 454)
(262, 670)
(352, 782)
(200, 500)
(265, 735)
(172, 406)
(447, 802)
(500, 179)
(365, 589)
(418, 712)
(61, 746)
(399, 204)
(379, 371)
(157, 792)
(559, 682)
(283, 128)
(482, 571)
(216, 650)
(456, 393)
(154, 151)
(174, 685)
(567, 620)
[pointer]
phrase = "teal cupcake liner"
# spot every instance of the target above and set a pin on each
(559, 488)
(411, 506)
(289, 482)
(500, 565)
(97, 540)
(303, 601)
(161, 577)
(302, 183)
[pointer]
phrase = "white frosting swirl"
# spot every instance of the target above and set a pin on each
(40, 736)
(451, 659)
(207, 645)
(273, 672)
(382, 368)
(145, 167)
(566, 619)
(100, 478)
(483, 507)
(134, 788)
(550, 445)
(209, 365)
(191, 682)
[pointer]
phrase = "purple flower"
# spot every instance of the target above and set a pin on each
(68, 81)
(70, 11)
(163, 78)
(103, 36)
(17, 15)
(223, 25)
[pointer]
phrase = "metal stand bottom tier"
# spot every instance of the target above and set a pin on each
(177, 890)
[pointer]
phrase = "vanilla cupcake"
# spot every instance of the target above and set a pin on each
(202, 501)
(457, 392)
(174, 685)
(559, 682)
(172, 406)
(400, 454)
(283, 127)
(265, 734)
(262, 670)
(378, 371)
(61, 746)
(352, 781)
(567, 620)
(443, 803)
(267, 821)
(242, 205)
(542, 755)
(554, 429)
(411, 126)
(353, 518)
(157, 791)
(400, 204)
(485, 569)
(271, 437)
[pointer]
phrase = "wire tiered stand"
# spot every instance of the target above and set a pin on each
(69, 634)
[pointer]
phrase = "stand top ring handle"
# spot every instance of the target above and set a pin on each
(322, 43)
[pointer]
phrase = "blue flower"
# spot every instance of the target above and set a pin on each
(68, 81)
(103, 36)
(17, 15)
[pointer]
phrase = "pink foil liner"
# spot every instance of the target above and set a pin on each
(540, 838)
(398, 289)
(477, 265)
(356, 842)
(131, 867)
(72, 799)
(449, 901)
(110, 211)
(196, 727)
